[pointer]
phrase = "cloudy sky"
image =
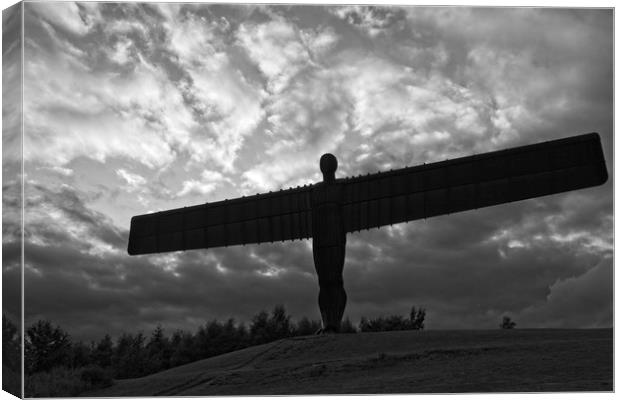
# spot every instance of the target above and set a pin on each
(132, 108)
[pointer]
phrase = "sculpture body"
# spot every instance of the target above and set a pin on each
(329, 241)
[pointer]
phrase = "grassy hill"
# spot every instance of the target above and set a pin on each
(395, 362)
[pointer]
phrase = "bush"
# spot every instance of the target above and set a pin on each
(11, 345)
(347, 327)
(11, 358)
(507, 323)
(306, 326)
(12, 381)
(394, 322)
(58, 382)
(66, 382)
(416, 318)
(96, 376)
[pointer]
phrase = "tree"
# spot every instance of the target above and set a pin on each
(183, 348)
(158, 351)
(416, 318)
(266, 328)
(103, 352)
(280, 323)
(243, 337)
(46, 347)
(234, 337)
(80, 355)
(507, 323)
(130, 358)
(209, 338)
(259, 332)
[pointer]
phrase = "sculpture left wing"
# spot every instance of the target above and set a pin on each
(473, 182)
(267, 217)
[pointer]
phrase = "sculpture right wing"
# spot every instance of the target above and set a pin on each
(473, 182)
(268, 217)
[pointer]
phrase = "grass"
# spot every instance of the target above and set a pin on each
(395, 362)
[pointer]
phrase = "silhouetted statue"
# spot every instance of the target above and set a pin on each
(328, 210)
(328, 244)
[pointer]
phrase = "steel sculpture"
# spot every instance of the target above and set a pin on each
(326, 211)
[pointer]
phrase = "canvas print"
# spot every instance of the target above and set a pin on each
(249, 199)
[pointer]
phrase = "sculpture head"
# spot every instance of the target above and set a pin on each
(328, 164)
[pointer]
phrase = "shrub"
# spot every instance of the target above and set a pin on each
(58, 382)
(11, 381)
(11, 357)
(347, 327)
(373, 325)
(394, 322)
(66, 382)
(416, 318)
(95, 376)
(11, 345)
(507, 323)
(306, 326)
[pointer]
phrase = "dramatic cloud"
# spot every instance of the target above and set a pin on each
(281, 50)
(11, 163)
(83, 111)
(135, 108)
(64, 15)
(224, 102)
(210, 181)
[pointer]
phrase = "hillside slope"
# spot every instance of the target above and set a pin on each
(395, 362)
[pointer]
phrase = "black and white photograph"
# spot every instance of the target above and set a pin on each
(227, 199)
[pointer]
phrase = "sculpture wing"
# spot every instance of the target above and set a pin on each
(269, 217)
(473, 182)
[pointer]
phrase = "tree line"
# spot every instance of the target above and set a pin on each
(49, 349)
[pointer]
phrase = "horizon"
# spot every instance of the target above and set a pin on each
(295, 320)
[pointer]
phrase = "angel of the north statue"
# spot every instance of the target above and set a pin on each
(326, 211)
